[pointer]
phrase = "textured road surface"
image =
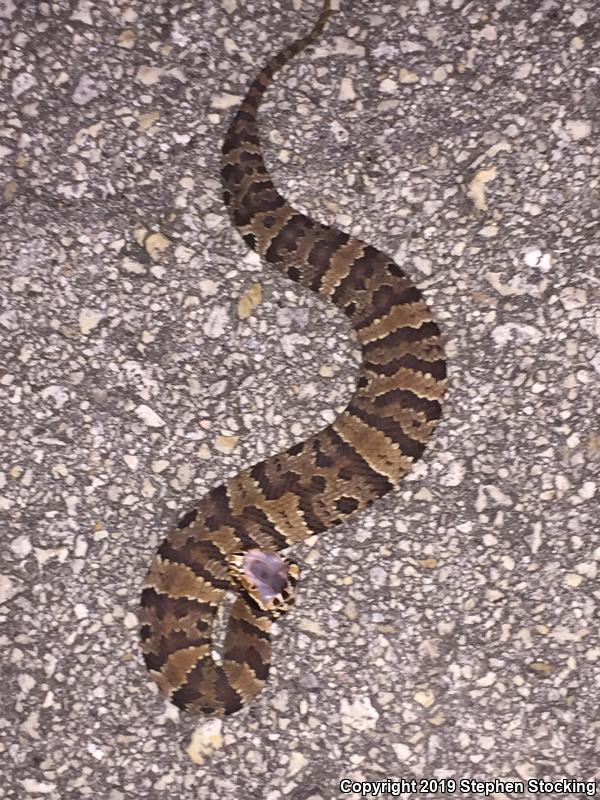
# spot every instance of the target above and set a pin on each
(453, 630)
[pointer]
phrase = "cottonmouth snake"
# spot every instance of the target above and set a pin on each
(228, 541)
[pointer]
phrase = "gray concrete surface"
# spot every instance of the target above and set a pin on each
(453, 630)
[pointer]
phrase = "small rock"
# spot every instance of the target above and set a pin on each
(587, 490)
(525, 770)
(488, 231)
(407, 76)
(573, 579)
(87, 89)
(250, 300)
(425, 698)
(347, 90)
(7, 9)
(83, 12)
(33, 786)
(359, 714)
(21, 546)
(148, 75)
(423, 494)
(388, 86)
(578, 129)
(225, 101)
(149, 417)
(541, 668)
(572, 298)
(226, 444)
(205, 740)
(131, 461)
(297, 763)
(523, 71)
(403, 752)
(156, 244)
(9, 587)
(126, 39)
(88, 319)
(216, 322)
(477, 187)
(130, 620)
(147, 120)
(578, 17)
(208, 288)
(514, 334)
(22, 83)
(486, 680)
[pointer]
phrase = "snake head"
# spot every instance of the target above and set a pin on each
(266, 578)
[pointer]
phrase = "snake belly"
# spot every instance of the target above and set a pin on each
(314, 485)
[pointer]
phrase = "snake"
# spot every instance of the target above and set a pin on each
(231, 540)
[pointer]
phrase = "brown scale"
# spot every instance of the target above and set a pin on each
(315, 484)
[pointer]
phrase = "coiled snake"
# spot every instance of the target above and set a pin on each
(230, 539)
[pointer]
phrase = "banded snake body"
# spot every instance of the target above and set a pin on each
(231, 538)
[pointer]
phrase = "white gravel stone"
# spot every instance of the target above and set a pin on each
(23, 83)
(573, 298)
(7, 9)
(347, 91)
(21, 546)
(80, 611)
(9, 587)
(579, 17)
(578, 129)
(359, 714)
(86, 90)
(225, 101)
(216, 322)
(149, 417)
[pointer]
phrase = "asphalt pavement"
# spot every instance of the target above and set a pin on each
(451, 632)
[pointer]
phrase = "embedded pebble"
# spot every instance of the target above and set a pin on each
(573, 298)
(578, 129)
(425, 698)
(347, 91)
(216, 322)
(226, 444)
(7, 9)
(477, 187)
(513, 333)
(9, 587)
(205, 740)
(149, 75)
(88, 320)
(86, 90)
(225, 101)
(579, 17)
(149, 417)
(250, 300)
(359, 714)
(22, 83)
(388, 86)
(156, 244)
(21, 546)
(407, 76)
